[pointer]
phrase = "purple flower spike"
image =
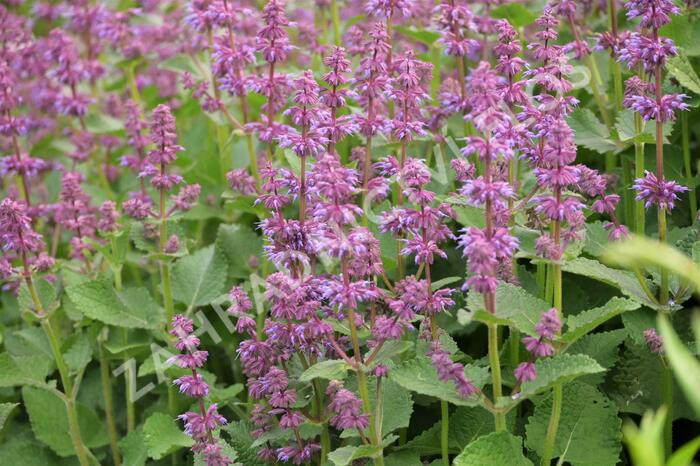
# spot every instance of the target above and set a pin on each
(653, 191)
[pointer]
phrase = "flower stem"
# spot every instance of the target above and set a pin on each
(73, 426)
(109, 406)
(667, 393)
(335, 18)
(553, 426)
(639, 211)
(663, 288)
(445, 433)
(495, 363)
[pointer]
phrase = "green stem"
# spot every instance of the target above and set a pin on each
(63, 371)
(548, 448)
(499, 416)
(445, 433)
(685, 141)
(597, 94)
(639, 211)
(667, 393)
(252, 156)
(109, 406)
(335, 18)
(553, 426)
(627, 193)
(133, 88)
(663, 291)
(167, 290)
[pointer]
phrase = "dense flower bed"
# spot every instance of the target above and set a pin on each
(342, 232)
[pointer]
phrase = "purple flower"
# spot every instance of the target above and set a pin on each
(652, 191)
(525, 372)
(16, 228)
(450, 371)
(654, 341)
(347, 409)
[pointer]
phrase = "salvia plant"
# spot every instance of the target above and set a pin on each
(346, 232)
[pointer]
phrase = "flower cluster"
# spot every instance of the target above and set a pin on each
(547, 329)
(200, 426)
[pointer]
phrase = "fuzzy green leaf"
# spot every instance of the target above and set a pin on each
(495, 449)
(584, 322)
(200, 278)
(130, 307)
(5, 410)
(559, 369)
(590, 132)
(420, 376)
(241, 440)
(133, 449)
(49, 419)
(465, 426)
(23, 370)
(603, 347)
(680, 68)
(625, 281)
(514, 307)
(589, 428)
(344, 456)
(162, 436)
(78, 352)
(331, 369)
(239, 243)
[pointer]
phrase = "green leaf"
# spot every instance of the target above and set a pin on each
(23, 370)
(515, 13)
(133, 449)
(331, 369)
(5, 410)
(278, 435)
(343, 456)
(589, 428)
(645, 443)
(465, 426)
(515, 307)
(628, 383)
(420, 376)
(162, 436)
(559, 369)
(346, 455)
(684, 455)
(21, 448)
(596, 239)
(100, 123)
(79, 352)
(388, 350)
(130, 307)
(239, 243)
(686, 367)
(627, 132)
(681, 69)
(402, 458)
(49, 419)
(625, 281)
(241, 440)
(590, 132)
(200, 278)
(584, 322)
(495, 449)
(397, 407)
(638, 251)
(424, 36)
(48, 295)
(603, 347)
(182, 63)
